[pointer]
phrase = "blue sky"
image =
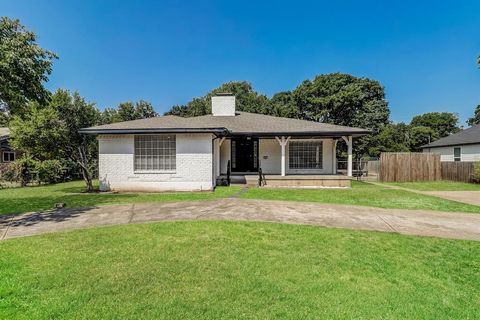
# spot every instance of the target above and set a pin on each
(167, 52)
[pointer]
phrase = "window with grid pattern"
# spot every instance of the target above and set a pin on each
(155, 153)
(306, 155)
(8, 156)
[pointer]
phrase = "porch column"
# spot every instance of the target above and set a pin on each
(349, 142)
(218, 160)
(283, 142)
(334, 166)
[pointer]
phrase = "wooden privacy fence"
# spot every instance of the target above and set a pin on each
(458, 171)
(409, 166)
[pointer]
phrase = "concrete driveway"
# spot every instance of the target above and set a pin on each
(412, 222)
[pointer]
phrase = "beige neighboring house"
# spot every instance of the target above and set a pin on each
(461, 146)
(6, 153)
(197, 153)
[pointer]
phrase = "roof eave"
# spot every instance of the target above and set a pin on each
(448, 145)
(153, 130)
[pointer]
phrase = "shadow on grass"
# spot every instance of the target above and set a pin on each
(28, 220)
(15, 206)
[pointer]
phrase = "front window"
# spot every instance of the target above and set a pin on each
(457, 154)
(8, 156)
(155, 153)
(306, 155)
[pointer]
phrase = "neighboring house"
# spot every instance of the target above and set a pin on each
(461, 146)
(175, 153)
(6, 153)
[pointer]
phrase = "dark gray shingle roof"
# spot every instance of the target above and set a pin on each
(241, 123)
(467, 136)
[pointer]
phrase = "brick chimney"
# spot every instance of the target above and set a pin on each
(223, 104)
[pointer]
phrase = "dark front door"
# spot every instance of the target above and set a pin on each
(244, 154)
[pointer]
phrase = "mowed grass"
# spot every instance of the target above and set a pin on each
(19, 200)
(237, 270)
(438, 186)
(362, 194)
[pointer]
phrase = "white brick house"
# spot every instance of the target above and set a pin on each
(183, 154)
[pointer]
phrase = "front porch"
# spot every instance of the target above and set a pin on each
(281, 161)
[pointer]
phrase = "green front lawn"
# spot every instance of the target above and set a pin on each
(18, 200)
(237, 270)
(438, 186)
(363, 194)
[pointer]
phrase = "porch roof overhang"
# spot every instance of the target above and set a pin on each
(305, 135)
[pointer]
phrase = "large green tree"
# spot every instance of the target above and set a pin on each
(394, 137)
(127, 111)
(283, 105)
(343, 99)
(24, 67)
(419, 136)
(246, 100)
(442, 123)
(476, 117)
(3, 119)
(51, 131)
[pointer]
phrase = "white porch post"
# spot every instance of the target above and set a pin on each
(283, 142)
(349, 142)
(218, 167)
(334, 165)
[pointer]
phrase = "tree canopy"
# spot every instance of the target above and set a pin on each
(343, 99)
(24, 67)
(246, 99)
(442, 123)
(51, 131)
(476, 117)
(127, 111)
(392, 138)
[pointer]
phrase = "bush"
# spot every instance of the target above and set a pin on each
(50, 171)
(72, 170)
(476, 172)
(27, 170)
(7, 172)
(23, 170)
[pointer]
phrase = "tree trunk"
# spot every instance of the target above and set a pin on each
(83, 162)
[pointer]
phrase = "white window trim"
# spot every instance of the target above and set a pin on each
(459, 157)
(313, 170)
(8, 152)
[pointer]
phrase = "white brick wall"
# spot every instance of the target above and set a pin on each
(194, 165)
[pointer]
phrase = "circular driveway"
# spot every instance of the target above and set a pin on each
(411, 222)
